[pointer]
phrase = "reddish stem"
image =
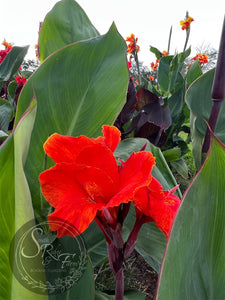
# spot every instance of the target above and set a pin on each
(132, 239)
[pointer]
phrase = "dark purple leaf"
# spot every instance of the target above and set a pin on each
(129, 107)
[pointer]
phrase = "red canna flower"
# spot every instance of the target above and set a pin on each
(186, 23)
(86, 179)
(157, 205)
(202, 58)
(155, 65)
(4, 52)
(20, 80)
(129, 64)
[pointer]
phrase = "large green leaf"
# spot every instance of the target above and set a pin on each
(128, 295)
(195, 252)
(163, 72)
(12, 62)
(96, 244)
(15, 203)
(7, 215)
(199, 101)
(82, 290)
(78, 89)
(64, 24)
(6, 113)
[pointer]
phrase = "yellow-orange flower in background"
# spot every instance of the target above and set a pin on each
(37, 51)
(132, 46)
(186, 23)
(202, 58)
(7, 45)
(164, 53)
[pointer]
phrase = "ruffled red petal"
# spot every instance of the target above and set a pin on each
(72, 202)
(97, 184)
(80, 218)
(112, 136)
(157, 204)
(133, 173)
(101, 157)
(65, 148)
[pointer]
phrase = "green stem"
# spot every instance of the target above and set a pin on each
(187, 34)
(137, 62)
(170, 34)
(132, 239)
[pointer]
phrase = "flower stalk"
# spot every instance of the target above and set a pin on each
(218, 91)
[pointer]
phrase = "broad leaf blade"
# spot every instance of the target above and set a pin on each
(64, 24)
(6, 113)
(15, 203)
(199, 101)
(74, 97)
(12, 62)
(7, 217)
(195, 252)
(83, 289)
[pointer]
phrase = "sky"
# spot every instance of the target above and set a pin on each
(149, 20)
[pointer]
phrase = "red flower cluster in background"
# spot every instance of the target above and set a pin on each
(202, 58)
(4, 52)
(132, 46)
(20, 80)
(155, 65)
(87, 183)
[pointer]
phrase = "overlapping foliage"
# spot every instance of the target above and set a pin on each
(81, 84)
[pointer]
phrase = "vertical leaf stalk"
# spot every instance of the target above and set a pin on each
(218, 90)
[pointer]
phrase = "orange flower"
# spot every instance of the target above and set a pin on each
(37, 51)
(132, 47)
(86, 179)
(151, 78)
(155, 65)
(8, 46)
(157, 205)
(164, 53)
(202, 58)
(186, 23)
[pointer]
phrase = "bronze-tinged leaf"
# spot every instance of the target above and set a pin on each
(144, 97)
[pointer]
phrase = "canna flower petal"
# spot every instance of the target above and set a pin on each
(112, 136)
(158, 205)
(133, 173)
(66, 148)
(74, 191)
